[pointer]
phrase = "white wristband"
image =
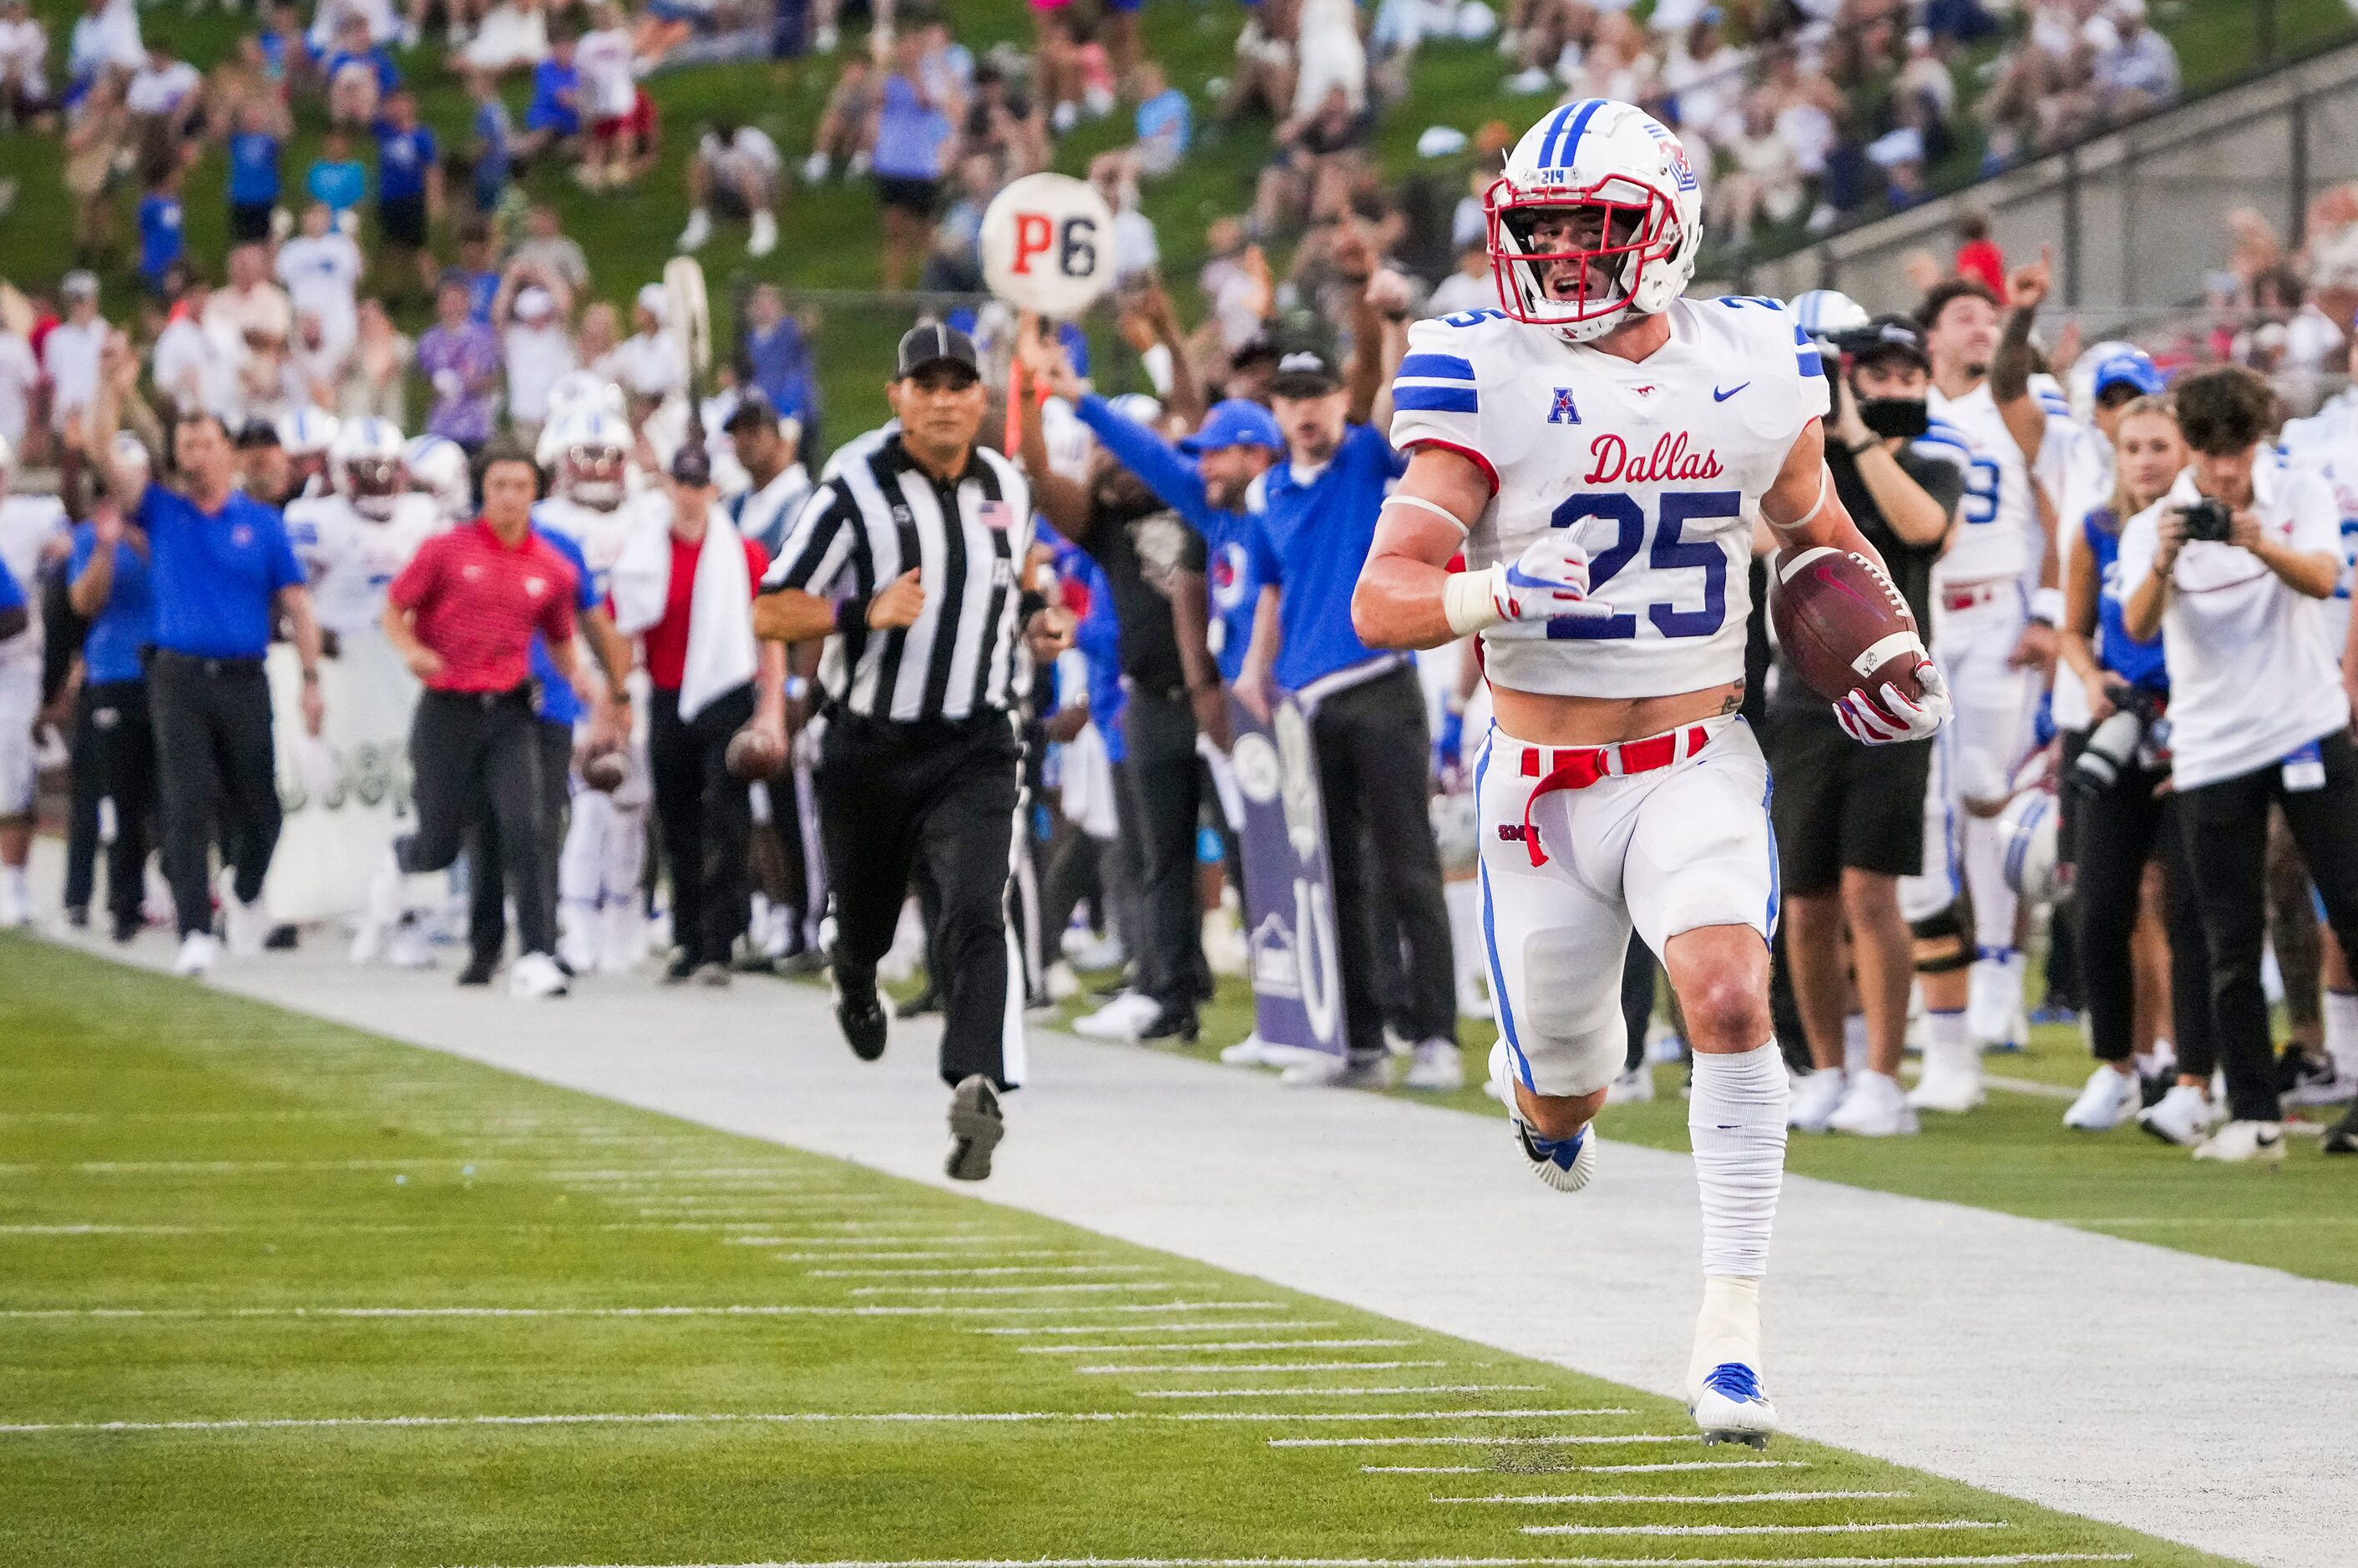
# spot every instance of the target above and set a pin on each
(1467, 601)
(2047, 605)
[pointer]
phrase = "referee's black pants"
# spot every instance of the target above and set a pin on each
(476, 761)
(942, 794)
(1374, 760)
(487, 910)
(706, 818)
(113, 758)
(213, 759)
(2225, 827)
(2118, 830)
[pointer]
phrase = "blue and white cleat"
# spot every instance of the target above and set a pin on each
(1731, 1408)
(1564, 1163)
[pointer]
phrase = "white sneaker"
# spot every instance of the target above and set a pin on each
(824, 39)
(2109, 1099)
(763, 239)
(535, 975)
(1994, 1013)
(2245, 1143)
(1063, 984)
(1435, 1065)
(1952, 1081)
(1631, 1087)
(379, 910)
(244, 926)
(623, 937)
(1873, 1105)
(1813, 1099)
(1320, 1071)
(410, 947)
(1568, 1165)
(577, 942)
(813, 168)
(2182, 1117)
(16, 906)
(1244, 1053)
(1124, 1018)
(199, 953)
(1089, 952)
(698, 230)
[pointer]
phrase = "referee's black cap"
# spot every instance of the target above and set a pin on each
(931, 343)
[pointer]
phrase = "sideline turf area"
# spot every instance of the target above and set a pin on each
(216, 1212)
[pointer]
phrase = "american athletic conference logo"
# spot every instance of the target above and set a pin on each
(1565, 411)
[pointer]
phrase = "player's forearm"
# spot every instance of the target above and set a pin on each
(2309, 572)
(2010, 366)
(1400, 603)
(790, 615)
(304, 625)
(91, 590)
(2141, 611)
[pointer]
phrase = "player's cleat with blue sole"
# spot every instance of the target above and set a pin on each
(1730, 1407)
(1564, 1163)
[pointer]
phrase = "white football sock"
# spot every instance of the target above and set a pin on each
(1726, 1329)
(1736, 1118)
(1945, 1028)
(1855, 1058)
(2342, 1030)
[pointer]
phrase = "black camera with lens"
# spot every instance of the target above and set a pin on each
(2134, 731)
(2208, 520)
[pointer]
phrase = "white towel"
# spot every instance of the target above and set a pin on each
(721, 651)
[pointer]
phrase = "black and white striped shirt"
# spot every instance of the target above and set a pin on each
(878, 516)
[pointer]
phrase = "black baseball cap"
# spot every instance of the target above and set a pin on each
(692, 466)
(753, 408)
(1304, 371)
(256, 433)
(1886, 336)
(930, 343)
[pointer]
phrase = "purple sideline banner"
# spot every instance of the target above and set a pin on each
(1289, 893)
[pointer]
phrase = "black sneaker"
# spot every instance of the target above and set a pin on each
(282, 939)
(78, 916)
(127, 927)
(679, 968)
(1171, 1023)
(479, 971)
(859, 1013)
(976, 1128)
(2341, 1138)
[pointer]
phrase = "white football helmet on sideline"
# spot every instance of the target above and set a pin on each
(1826, 313)
(2027, 839)
(304, 435)
(438, 468)
(577, 392)
(366, 465)
(1624, 212)
(592, 459)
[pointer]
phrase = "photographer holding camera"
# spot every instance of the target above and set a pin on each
(2125, 813)
(2231, 568)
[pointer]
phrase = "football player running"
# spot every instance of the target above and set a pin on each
(1596, 447)
(599, 915)
(356, 535)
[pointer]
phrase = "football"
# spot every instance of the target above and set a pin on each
(1844, 625)
(753, 756)
(605, 770)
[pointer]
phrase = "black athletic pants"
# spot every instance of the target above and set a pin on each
(487, 914)
(2117, 831)
(113, 758)
(706, 819)
(476, 761)
(214, 761)
(2225, 827)
(1637, 972)
(1165, 792)
(942, 794)
(1373, 770)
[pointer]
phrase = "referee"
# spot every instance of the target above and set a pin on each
(908, 561)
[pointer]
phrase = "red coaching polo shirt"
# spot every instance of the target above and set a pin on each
(476, 602)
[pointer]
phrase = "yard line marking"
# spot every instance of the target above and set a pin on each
(2006, 1560)
(1481, 1441)
(881, 1257)
(1271, 1367)
(1686, 1530)
(1712, 1498)
(1324, 1393)
(1422, 1469)
(362, 1229)
(1221, 1344)
(991, 1272)
(1006, 1290)
(1161, 1328)
(791, 1310)
(1587, 1469)
(2029, 1086)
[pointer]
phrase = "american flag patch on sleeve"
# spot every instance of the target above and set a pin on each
(995, 514)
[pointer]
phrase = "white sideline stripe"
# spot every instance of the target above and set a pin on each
(794, 1310)
(993, 1271)
(1161, 1328)
(715, 1418)
(1585, 1470)
(1007, 1289)
(455, 1228)
(1223, 1344)
(1422, 1469)
(888, 1256)
(1852, 1529)
(1371, 1415)
(1271, 1367)
(2006, 1560)
(1712, 1498)
(1335, 1393)
(1478, 1442)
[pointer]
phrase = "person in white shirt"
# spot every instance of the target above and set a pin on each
(70, 354)
(322, 268)
(34, 530)
(195, 363)
(250, 305)
(162, 89)
(105, 34)
(20, 374)
(2233, 567)
(23, 61)
(536, 349)
(649, 364)
(736, 169)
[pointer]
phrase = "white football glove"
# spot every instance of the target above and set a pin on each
(1548, 580)
(1896, 718)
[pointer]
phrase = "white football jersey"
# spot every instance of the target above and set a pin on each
(2075, 470)
(350, 559)
(1997, 529)
(29, 526)
(2326, 444)
(1657, 466)
(600, 534)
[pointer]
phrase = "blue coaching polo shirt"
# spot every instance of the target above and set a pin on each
(1311, 539)
(215, 575)
(559, 703)
(12, 593)
(110, 648)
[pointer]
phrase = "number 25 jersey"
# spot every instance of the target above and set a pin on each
(1655, 467)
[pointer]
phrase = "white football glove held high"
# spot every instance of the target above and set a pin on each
(1548, 580)
(1897, 718)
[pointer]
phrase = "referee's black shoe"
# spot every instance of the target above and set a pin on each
(859, 1012)
(976, 1128)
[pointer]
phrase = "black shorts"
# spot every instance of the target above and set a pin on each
(917, 198)
(1838, 805)
(249, 223)
(401, 221)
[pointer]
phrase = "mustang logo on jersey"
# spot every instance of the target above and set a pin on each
(1566, 411)
(1670, 460)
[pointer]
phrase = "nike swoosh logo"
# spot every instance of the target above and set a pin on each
(1719, 396)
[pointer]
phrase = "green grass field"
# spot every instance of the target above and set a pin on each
(278, 1292)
